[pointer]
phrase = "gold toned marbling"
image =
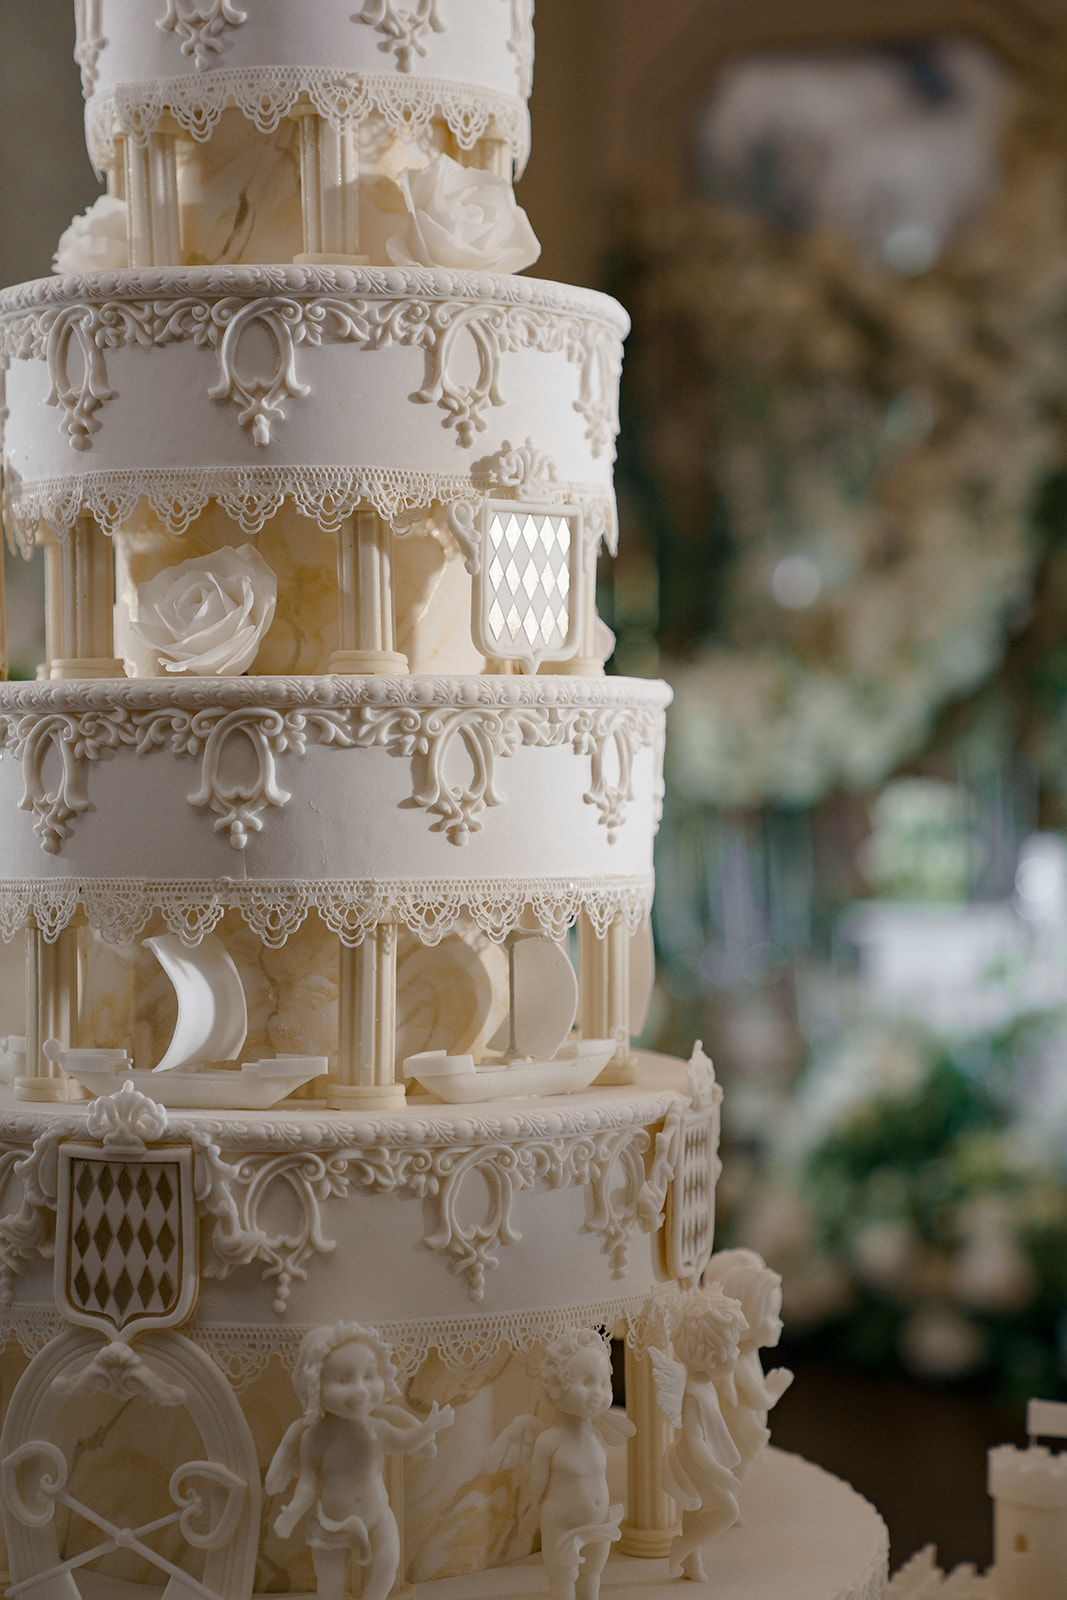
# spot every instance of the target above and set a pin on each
(241, 194)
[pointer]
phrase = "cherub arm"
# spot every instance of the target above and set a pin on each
(541, 1466)
(759, 1390)
(398, 1430)
(307, 1487)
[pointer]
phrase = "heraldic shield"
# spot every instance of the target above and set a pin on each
(126, 1238)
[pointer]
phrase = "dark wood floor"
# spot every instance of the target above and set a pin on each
(918, 1453)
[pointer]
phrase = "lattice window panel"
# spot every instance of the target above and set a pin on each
(528, 592)
(125, 1249)
(691, 1219)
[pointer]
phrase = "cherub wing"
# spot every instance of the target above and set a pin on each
(669, 1377)
(516, 1441)
(614, 1427)
(285, 1464)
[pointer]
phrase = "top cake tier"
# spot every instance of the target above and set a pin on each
(257, 131)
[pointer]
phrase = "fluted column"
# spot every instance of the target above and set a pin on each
(604, 994)
(394, 1488)
(366, 607)
(651, 1515)
(80, 604)
(329, 190)
(366, 1030)
(51, 1011)
(151, 191)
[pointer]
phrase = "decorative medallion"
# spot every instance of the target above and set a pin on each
(690, 1233)
(404, 31)
(201, 26)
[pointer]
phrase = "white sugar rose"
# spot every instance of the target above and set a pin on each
(461, 217)
(204, 616)
(95, 240)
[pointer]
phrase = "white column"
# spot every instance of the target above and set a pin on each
(394, 1488)
(151, 191)
(604, 995)
(80, 604)
(366, 1024)
(329, 190)
(651, 1515)
(51, 1012)
(366, 629)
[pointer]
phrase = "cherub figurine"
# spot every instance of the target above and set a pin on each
(699, 1466)
(746, 1277)
(568, 1471)
(336, 1451)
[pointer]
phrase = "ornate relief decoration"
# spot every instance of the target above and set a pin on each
(521, 44)
(89, 42)
(428, 735)
(691, 1149)
(404, 31)
(216, 1498)
(201, 26)
(470, 1190)
(450, 332)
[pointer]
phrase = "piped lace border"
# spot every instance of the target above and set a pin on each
(264, 95)
(120, 909)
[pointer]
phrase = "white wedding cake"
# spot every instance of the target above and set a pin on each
(330, 844)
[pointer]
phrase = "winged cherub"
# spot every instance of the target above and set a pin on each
(699, 1466)
(336, 1451)
(745, 1404)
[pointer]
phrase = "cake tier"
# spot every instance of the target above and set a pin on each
(466, 62)
(311, 1217)
(339, 389)
(370, 799)
(803, 1535)
(467, 1238)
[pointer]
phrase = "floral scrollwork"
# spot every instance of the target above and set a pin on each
(200, 25)
(404, 31)
(239, 804)
(74, 739)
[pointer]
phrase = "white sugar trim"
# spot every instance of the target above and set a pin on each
(251, 496)
(244, 1351)
(120, 909)
(408, 104)
(329, 690)
(116, 286)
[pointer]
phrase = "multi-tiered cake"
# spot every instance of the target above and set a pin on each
(323, 808)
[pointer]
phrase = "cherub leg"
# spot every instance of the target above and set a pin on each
(594, 1557)
(331, 1572)
(384, 1559)
(698, 1529)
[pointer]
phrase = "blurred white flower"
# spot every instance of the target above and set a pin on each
(95, 240)
(937, 1342)
(206, 615)
(990, 1271)
(884, 1255)
(461, 217)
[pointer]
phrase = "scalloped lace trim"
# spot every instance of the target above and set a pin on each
(244, 1351)
(250, 496)
(119, 909)
(267, 94)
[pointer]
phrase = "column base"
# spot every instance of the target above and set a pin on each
(48, 1090)
(650, 1544)
(86, 667)
(365, 1096)
(358, 662)
(618, 1071)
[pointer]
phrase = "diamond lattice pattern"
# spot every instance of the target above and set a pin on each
(125, 1247)
(529, 581)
